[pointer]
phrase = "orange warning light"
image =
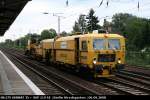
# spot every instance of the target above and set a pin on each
(106, 35)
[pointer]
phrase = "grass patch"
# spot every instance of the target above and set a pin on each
(138, 59)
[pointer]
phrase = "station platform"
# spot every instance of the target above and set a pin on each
(13, 81)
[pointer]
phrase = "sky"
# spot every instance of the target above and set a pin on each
(32, 19)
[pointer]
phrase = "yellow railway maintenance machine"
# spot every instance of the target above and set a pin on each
(99, 54)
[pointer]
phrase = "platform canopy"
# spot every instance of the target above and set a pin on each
(9, 10)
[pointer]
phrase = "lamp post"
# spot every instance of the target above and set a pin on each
(59, 17)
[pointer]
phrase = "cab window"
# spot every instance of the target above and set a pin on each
(84, 45)
(98, 44)
(114, 44)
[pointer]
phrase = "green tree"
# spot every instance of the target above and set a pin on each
(146, 36)
(52, 33)
(137, 30)
(107, 25)
(48, 34)
(64, 33)
(82, 23)
(92, 21)
(35, 38)
(119, 21)
(76, 27)
(8, 42)
(45, 34)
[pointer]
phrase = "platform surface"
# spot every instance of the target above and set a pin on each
(13, 81)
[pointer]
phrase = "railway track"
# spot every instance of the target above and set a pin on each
(140, 88)
(141, 79)
(129, 82)
(138, 70)
(125, 86)
(135, 74)
(75, 88)
(117, 85)
(47, 86)
(71, 88)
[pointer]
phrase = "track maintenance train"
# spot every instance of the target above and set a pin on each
(99, 54)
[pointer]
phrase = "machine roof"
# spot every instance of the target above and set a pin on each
(9, 10)
(89, 35)
(47, 40)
